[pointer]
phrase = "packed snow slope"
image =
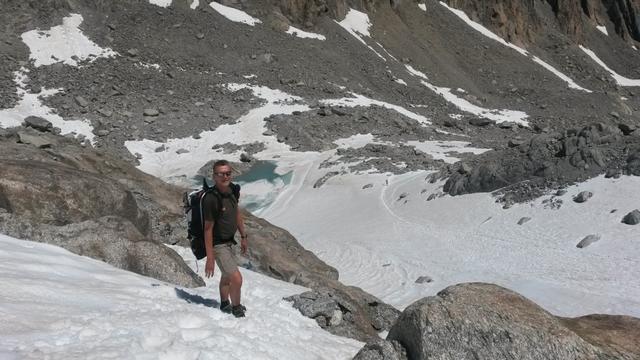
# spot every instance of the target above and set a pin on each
(57, 305)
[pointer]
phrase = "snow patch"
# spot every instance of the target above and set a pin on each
(357, 24)
(602, 29)
(234, 15)
(423, 7)
(355, 141)
(492, 114)
(63, 43)
(361, 100)
(304, 34)
(161, 3)
(621, 80)
(179, 168)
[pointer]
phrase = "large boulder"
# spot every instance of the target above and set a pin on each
(485, 321)
(111, 239)
(91, 204)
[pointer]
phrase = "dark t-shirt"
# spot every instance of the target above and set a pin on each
(227, 224)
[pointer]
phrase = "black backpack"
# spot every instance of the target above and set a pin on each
(192, 204)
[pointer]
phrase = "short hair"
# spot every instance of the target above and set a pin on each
(220, 163)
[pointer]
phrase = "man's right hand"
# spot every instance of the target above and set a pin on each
(209, 267)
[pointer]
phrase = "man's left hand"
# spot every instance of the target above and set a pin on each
(243, 245)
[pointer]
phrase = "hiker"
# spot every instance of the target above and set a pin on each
(219, 231)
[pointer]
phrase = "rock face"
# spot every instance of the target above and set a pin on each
(485, 321)
(521, 21)
(90, 204)
(546, 159)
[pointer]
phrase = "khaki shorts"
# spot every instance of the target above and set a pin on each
(226, 259)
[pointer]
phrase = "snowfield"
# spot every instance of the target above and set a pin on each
(57, 305)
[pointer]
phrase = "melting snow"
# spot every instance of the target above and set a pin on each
(30, 105)
(423, 7)
(488, 33)
(621, 80)
(234, 15)
(361, 100)
(492, 114)
(62, 43)
(304, 34)
(357, 23)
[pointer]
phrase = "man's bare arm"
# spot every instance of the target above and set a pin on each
(208, 246)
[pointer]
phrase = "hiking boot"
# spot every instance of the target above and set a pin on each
(238, 311)
(226, 307)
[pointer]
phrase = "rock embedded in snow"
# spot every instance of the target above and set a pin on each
(423, 279)
(523, 220)
(402, 196)
(81, 101)
(613, 173)
(476, 121)
(151, 112)
(583, 196)
(632, 218)
(588, 240)
(38, 123)
(182, 151)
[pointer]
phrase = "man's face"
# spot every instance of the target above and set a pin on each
(222, 175)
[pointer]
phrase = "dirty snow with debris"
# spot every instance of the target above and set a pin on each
(31, 105)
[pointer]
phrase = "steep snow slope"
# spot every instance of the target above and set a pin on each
(57, 305)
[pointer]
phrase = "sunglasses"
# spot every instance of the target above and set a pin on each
(221, 174)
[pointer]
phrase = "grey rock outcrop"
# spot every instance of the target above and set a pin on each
(381, 350)
(341, 311)
(545, 159)
(485, 321)
(632, 218)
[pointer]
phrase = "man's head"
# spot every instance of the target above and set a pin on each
(222, 174)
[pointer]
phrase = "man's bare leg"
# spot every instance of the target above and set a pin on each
(224, 287)
(235, 285)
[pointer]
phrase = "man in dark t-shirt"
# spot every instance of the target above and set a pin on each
(219, 231)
